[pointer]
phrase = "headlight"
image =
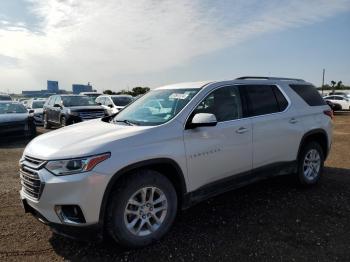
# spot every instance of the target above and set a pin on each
(73, 166)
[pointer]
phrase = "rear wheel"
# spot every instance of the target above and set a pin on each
(310, 164)
(46, 122)
(142, 209)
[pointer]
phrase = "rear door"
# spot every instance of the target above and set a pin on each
(220, 151)
(277, 129)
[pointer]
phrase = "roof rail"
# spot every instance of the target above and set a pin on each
(268, 78)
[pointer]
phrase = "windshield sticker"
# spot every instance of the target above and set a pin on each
(178, 96)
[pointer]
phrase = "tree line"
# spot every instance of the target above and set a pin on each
(335, 85)
(139, 90)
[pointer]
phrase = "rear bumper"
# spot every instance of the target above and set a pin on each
(93, 232)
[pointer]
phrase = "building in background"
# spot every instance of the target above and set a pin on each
(52, 86)
(78, 88)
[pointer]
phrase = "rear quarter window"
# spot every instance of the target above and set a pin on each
(309, 94)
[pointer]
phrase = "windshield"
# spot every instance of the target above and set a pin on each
(8, 108)
(121, 101)
(38, 104)
(156, 107)
(69, 101)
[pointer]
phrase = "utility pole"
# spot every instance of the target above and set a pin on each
(324, 70)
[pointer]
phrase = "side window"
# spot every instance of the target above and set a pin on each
(281, 100)
(261, 100)
(309, 94)
(224, 103)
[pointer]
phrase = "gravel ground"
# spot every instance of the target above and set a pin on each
(269, 221)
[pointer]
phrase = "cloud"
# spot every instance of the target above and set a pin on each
(100, 41)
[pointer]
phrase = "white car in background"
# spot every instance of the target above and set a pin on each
(92, 95)
(114, 103)
(342, 101)
(35, 106)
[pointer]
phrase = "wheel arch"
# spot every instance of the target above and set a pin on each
(166, 166)
(319, 135)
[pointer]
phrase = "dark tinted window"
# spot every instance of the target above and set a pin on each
(309, 94)
(121, 101)
(69, 101)
(281, 100)
(224, 103)
(262, 100)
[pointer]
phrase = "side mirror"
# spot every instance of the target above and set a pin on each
(99, 104)
(203, 119)
(56, 105)
(31, 111)
(110, 106)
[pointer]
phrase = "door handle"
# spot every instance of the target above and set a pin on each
(241, 130)
(293, 120)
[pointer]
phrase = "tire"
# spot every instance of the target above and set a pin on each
(46, 122)
(310, 164)
(121, 203)
(63, 121)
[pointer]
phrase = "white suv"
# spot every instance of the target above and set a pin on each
(127, 175)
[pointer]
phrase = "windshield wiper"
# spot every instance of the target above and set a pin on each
(125, 121)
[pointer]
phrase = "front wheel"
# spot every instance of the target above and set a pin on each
(310, 164)
(142, 209)
(46, 122)
(63, 121)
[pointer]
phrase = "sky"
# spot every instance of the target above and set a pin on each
(120, 44)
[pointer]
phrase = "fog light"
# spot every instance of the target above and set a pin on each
(70, 214)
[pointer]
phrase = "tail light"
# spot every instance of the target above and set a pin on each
(329, 113)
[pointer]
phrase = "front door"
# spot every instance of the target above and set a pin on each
(220, 151)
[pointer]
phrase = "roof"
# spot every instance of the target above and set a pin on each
(269, 78)
(243, 79)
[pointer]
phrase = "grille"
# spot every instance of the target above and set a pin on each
(91, 115)
(30, 180)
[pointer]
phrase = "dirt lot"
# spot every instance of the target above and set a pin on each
(270, 221)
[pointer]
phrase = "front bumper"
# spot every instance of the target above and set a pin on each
(84, 190)
(92, 232)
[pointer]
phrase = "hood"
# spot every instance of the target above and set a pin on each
(82, 139)
(85, 108)
(13, 117)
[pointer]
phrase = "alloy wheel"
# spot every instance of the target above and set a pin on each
(312, 164)
(145, 211)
